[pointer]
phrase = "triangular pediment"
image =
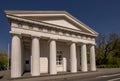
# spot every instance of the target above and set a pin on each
(62, 22)
(58, 18)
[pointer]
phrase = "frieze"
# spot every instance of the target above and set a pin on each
(48, 30)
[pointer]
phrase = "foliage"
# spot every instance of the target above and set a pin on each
(108, 66)
(3, 58)
(108, 49)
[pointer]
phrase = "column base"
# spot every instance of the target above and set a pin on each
(35, 74)
(84, 71)
(53, 73)
(15, 76)
(93, 70)
(73, 71)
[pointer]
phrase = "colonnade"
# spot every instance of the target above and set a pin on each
(35, 50)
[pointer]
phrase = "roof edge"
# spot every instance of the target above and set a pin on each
(13, 12)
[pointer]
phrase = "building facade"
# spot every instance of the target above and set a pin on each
(49, 42)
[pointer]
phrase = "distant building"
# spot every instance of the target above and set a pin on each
(49, 42)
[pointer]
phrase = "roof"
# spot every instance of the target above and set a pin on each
(41, 16)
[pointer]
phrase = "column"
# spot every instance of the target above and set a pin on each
(22, 58)
(52, 57)
(92, 58)
(83, 58)
(35, 56)
(73, 58)
(78, 57)
(16, 57)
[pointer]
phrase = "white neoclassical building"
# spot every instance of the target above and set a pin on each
(49, 42)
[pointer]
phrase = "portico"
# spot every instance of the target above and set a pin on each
(49, 42)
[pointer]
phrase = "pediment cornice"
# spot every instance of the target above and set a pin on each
(19, 19)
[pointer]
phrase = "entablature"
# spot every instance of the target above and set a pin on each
(44, 29)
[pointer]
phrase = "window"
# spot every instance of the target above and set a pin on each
(27, 61)
(59, 59)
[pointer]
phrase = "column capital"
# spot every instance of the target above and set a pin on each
(90, 44)
(18, 35)
(51, 39)
(71, 42)
(81, 43)
(25, 35)
(33, 36)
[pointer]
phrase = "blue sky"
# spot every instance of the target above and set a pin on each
(101, 15)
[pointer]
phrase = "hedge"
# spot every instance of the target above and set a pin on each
(108, 66)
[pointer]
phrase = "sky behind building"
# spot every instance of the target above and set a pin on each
(101, 15)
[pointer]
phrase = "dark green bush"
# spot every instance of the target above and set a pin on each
(108, 66)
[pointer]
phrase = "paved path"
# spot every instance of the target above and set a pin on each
(100, 75)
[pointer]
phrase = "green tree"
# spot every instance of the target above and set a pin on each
(3, 58)
(107, 49)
